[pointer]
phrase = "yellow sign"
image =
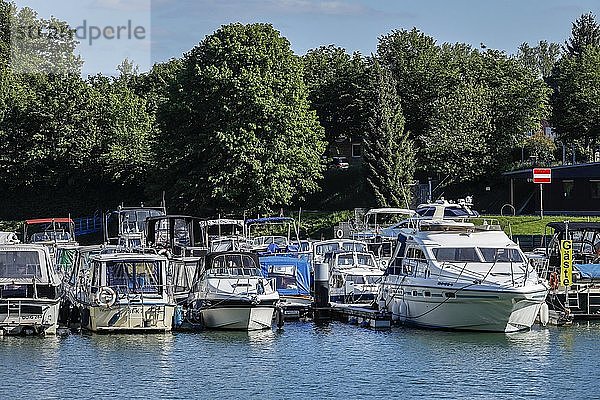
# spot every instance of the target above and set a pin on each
(566, 262)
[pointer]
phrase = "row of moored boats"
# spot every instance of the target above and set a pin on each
(430, 267)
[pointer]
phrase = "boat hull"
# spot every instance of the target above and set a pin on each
(467, 309)
(29, 316)
(129, 318)
(247, 318)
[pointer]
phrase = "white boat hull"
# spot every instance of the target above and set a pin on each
(471, 309)
(238, 318)
(18, 316)
(147, 317)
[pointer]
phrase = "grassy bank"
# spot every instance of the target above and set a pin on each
(533, 225)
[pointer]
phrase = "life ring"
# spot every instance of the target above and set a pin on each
(339, 234)
(553, 281)
(106, 296)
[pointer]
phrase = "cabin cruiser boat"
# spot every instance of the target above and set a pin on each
(324, 247)
(126, 226)
(290, 274)
(455, 275)
(58, 234)
(271, 233)
(183, 240)
(581, 300)
(127, 292)
(30, 288)
(354, 277)
(232, 293)
(226, 234)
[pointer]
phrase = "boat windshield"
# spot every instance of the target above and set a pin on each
(462, 254)
(48, 236)
(134, 276)
(470, 254)
(234, 272)
(500, 255)
(326, 248)
(353, 246)
(365, 259)
(20, 264)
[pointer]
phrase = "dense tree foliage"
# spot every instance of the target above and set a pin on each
(585, 32)
(336, 81)
(576, 99)
(388, 153)
(466, 109)
(240, 133)
(541, 58)
(240, 122)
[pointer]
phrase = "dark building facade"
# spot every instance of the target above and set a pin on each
(575, 190)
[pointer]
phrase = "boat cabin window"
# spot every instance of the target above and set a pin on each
(345, 259)
(50, 236)
(500, 255)
(361, 279)
(365, 259)
(20, 264)
(183, 275)
(227, 265)
(353, 246)
(134, 276)
(326, 248)
(415, 254)
(285, 276)
(462, 254)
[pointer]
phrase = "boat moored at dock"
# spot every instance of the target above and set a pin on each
(30, 288)
(127, 292)
(232, 293)
(455, 275)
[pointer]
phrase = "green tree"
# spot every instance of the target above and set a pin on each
(542, 148)
(335, 81)
(242, 135)
(388, 154)
(458, 143)
(576, 99)
(541, 58)
(418, 67)
(585, 32)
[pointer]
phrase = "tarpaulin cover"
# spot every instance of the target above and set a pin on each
(590, 271)
(279, 265)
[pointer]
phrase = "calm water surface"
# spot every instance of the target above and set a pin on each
(305, 361)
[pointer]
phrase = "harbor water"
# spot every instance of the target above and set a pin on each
(303, 361)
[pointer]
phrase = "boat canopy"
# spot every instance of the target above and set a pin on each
(390, 210)
(589, 271)
(291, 272)
(49, 221)
(267, 220)
(25, 264)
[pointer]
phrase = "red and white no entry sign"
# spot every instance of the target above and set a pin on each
(542, 175)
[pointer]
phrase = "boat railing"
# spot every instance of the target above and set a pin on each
(16, 307)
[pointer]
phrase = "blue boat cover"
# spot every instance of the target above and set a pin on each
(589, 271)
(295, 267)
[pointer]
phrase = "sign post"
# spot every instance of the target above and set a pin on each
(542, 176)
(566, 262)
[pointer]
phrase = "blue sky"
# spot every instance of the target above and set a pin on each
(178, 25)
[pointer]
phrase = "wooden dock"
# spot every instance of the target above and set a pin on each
(358, 314)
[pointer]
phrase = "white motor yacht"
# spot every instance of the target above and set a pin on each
(455, 275)
(30, 288)
(232, 293)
